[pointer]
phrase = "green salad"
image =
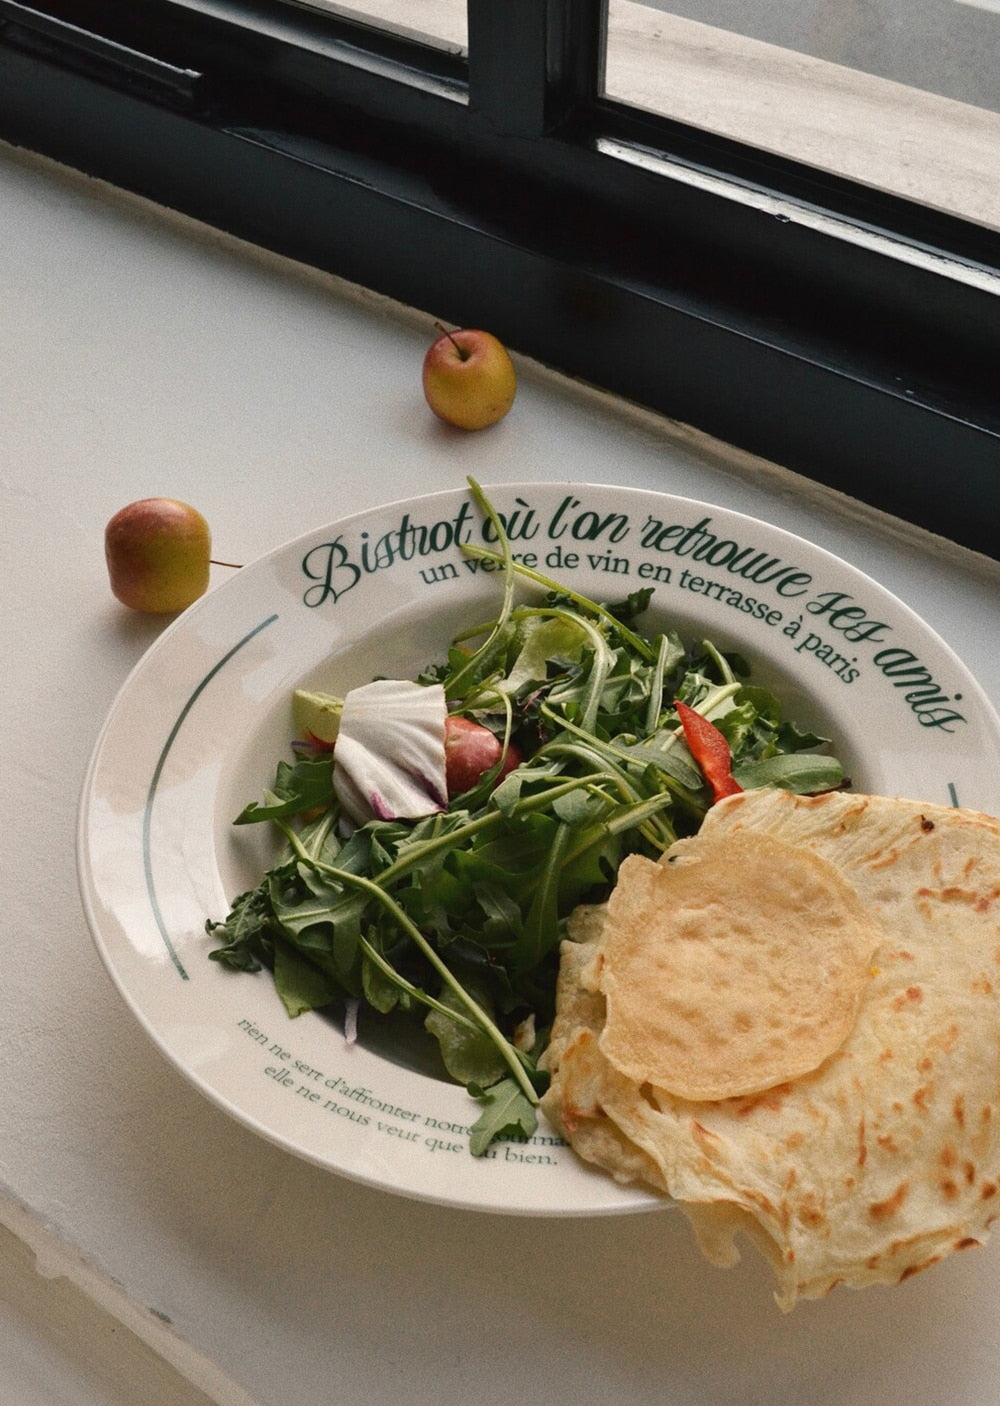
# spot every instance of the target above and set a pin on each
(438, 832)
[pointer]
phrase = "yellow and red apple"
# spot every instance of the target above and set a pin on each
(469, 379)
(158, 552)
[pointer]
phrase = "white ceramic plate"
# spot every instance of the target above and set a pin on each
(199, 724)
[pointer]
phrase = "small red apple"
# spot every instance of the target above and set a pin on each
(158, 553)
(470, 750)
(469, 379)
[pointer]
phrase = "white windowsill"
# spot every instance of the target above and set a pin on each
(914, 144)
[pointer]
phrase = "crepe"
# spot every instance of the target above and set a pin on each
(884, 1156)
(733, 967)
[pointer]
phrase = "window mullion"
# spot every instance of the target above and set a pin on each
(508, 45)
(533, 62)
(578, 34)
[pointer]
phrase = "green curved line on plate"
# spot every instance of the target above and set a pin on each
(147, 861)
(953, 793)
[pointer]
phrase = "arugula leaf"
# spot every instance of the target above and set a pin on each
(636, 603)
(381, 993)
(802, 772)
(247, 933)
(300, 984)
(507, 1114)
(541, 924)
(469, 1055)
(306, 784)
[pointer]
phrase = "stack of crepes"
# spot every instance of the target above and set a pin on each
(790, 1025)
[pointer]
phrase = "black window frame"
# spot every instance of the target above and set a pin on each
(834, 329)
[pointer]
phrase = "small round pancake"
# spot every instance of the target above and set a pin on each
(732, 966)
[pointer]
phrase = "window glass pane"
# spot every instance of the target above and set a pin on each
(441, 23)
(899, 94)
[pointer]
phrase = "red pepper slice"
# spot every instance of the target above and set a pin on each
(710, 750)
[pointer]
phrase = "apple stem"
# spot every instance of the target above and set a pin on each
(457, 345)
(237, 566)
